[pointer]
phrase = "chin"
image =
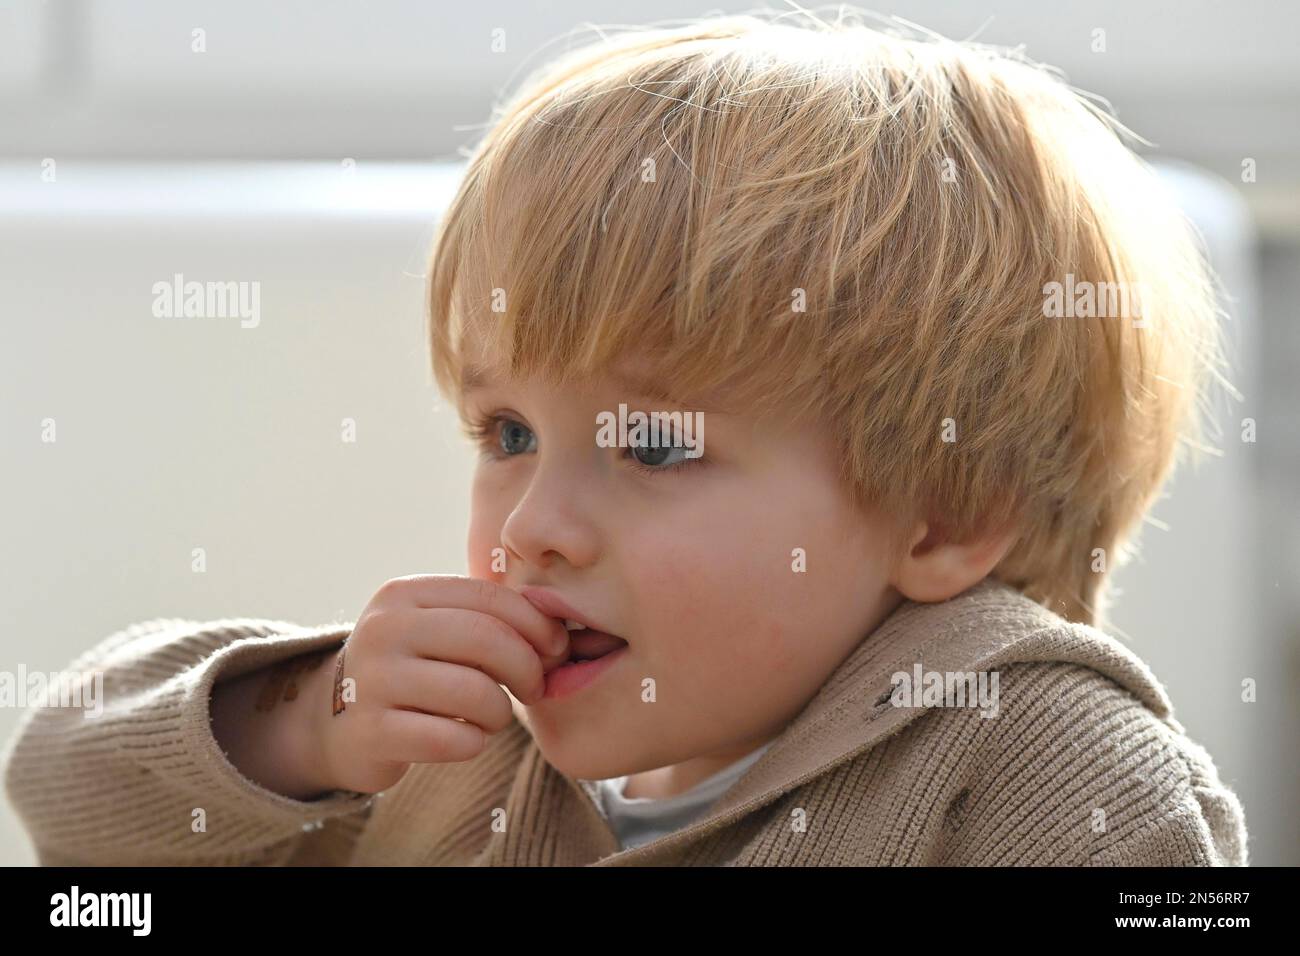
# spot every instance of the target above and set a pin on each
(580, 756)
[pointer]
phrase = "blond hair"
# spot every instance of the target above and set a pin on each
(675, 194)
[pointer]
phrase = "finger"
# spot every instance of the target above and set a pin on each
(450, 690)
(432, 591)
(413, 737)
(479, 640)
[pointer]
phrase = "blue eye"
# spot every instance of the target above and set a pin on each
(653, 457)
(669, 454)
(500, 436)
(515, 438)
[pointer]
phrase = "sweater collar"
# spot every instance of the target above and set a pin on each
(991, 625)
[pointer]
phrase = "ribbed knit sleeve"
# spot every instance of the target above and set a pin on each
(1076, 771)
(123, 787)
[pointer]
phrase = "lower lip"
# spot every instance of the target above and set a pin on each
(571, 678)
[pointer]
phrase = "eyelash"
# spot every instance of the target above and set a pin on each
(482, 431)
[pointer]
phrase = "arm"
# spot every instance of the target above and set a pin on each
(263, 720)
(146, 782)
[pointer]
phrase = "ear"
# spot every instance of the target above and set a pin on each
(934, 567)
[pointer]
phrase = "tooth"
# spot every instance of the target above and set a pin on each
(573, 625)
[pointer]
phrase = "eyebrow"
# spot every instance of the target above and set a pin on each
(478, 376)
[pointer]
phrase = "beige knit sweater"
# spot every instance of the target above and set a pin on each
(1083, 764)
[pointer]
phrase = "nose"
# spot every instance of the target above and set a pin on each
(551, 522)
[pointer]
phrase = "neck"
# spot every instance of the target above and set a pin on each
(677, 778)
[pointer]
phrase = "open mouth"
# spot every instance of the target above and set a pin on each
(588, 644)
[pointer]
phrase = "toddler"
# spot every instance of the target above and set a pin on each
(819, 373)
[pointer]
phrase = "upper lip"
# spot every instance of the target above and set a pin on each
(552, 605)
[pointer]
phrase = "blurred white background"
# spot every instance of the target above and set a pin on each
(310, 148)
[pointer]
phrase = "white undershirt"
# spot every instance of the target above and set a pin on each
(637, 820)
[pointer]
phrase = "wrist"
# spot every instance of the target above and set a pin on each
(288, 698)
(313, 713)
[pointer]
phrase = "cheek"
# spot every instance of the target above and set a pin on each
(479, 554)
(486, 519)
(715, 587)
(722, 588)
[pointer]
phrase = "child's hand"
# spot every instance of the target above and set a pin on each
(428, 649)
